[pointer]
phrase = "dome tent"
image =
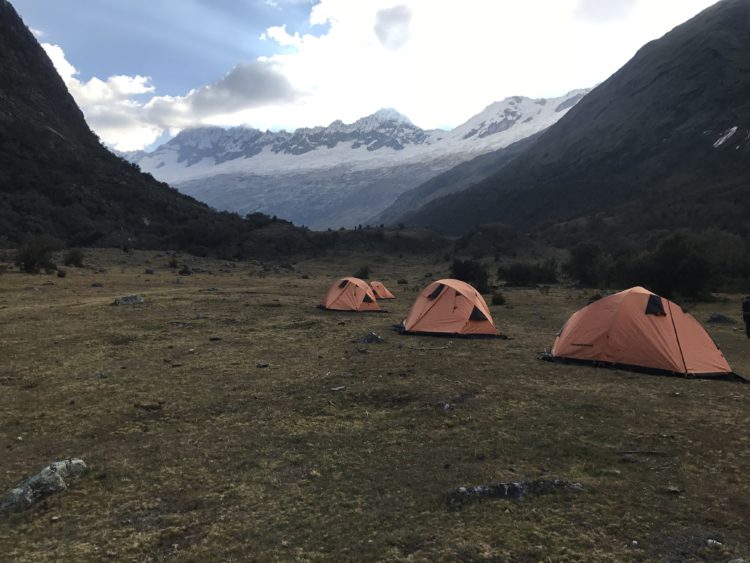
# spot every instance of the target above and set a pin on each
(450, 307)
(380, 291)
(350, 294)
(636, 329)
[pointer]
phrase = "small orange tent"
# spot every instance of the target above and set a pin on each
(350, 294)
(380, 291)
(450, 307)
(637, 329)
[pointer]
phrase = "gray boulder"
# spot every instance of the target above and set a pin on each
(509, 491)
(129, 300)
(49, 481)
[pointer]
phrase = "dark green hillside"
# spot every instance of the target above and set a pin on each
(456, 179)
(642, 151)
(57, 179)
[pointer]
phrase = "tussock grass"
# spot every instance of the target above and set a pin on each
(243, 462)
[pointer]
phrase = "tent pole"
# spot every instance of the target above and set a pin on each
(676, 337)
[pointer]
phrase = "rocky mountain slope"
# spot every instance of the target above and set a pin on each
(453, 180)
(663, 143)
(340, 175)
(57, 179)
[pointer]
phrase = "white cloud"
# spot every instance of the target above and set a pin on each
(437, 62)
(450, 59)
(115, 110)
(392, 26)
(605, 10)
(38, 33)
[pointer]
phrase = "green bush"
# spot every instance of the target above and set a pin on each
(473, 272)
(523, 274)
(498, 298)
(363, 273)
(587, 264)
(676, 266)
(36, 254)
(74, 257)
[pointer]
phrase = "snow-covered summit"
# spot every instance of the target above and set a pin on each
(385, 138)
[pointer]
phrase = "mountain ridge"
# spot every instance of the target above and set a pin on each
(57, 179)
(658, 129)
(363, 166)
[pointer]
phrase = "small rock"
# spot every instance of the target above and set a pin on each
(55, 518)
(157, 406)
(215, 339)
(370, 338)
(149, 272)
(718, 318)
(509, 491)
(48, 481)
(129, 300)
(263, 364)
(96, 284)
(673, 490)
(713, 543)
(338, 388)
(100, 375)
(629, 458)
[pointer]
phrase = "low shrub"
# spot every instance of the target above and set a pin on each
(74, 257)
(498, 298)
(473, 272)
(523, 274)
(363, 273)
(36, 254)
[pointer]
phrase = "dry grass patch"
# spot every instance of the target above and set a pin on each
(341, 450)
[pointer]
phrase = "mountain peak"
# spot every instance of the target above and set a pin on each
(391, 114)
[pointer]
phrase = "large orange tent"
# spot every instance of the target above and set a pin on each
(350, 294)
(380, 291)
(637, 329)
(450, 307)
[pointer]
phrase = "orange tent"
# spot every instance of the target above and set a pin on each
(380, 291)
(637, 329)
(450, 307)
(350, 294)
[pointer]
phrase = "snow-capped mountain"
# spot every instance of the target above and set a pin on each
(339, 175)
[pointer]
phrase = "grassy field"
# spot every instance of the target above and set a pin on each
(344, 451)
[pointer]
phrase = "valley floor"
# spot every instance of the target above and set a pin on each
(345, 451)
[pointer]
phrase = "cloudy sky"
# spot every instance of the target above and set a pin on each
(142, 70)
